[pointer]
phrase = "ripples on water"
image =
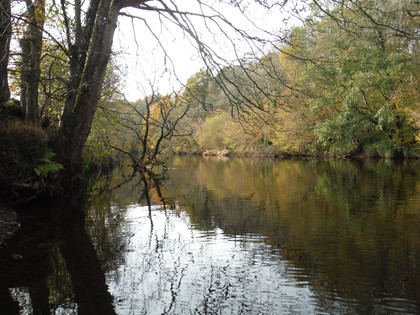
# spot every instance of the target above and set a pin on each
(172, 268)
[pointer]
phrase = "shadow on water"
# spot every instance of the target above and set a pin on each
(51, 263)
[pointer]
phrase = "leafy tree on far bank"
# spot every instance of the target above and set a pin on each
(356, 72)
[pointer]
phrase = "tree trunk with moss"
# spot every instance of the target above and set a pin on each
(5, 35)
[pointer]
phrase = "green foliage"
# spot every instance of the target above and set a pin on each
(359, 84)
(197, 88)
(22, 147)
(380, 147)
(48, 166)
(341, 135)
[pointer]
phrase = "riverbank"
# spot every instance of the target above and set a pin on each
(246, 154)
(285, 155)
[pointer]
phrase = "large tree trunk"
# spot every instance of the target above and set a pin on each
(5, 35)
(89, 56)
(31, 59)
(25, 48)
(78, 114)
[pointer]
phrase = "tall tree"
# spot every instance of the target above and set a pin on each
(5, 36)
(88, 58)
(31, 46)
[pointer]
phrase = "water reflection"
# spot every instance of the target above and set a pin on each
(52, 266)
(228, 237)
(334, 237)
(172, 268)
(352, 227)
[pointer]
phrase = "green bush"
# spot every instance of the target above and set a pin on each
(22, 147)
(47, 166)
(381, 148)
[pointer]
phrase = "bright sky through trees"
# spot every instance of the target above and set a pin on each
(156, 54)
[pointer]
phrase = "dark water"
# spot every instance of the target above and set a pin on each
(227, 237)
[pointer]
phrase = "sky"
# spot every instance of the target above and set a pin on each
(156, 55)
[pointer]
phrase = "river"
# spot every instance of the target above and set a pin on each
(226, 236)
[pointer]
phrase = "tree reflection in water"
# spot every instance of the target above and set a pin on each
(58, 239)
(351, 225)
(52, 265)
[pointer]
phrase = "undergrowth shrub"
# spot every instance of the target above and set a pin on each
(22, 146)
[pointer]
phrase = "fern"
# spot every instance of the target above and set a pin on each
(48, 166)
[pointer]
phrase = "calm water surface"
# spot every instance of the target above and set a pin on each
(233, 236)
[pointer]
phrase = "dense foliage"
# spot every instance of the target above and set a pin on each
(346, 83)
